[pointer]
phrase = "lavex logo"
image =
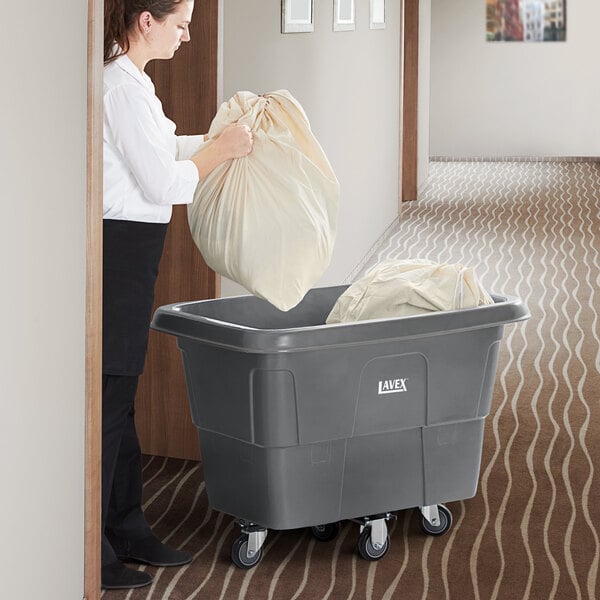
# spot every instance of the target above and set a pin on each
(392, 386)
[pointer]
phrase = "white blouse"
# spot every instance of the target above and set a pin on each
(146, 166)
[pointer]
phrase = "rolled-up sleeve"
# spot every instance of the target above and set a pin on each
(188, 145)
(151, 157)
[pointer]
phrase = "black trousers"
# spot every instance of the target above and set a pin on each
(132, 252)
(122, 515)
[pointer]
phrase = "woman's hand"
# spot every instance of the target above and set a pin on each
(235, 141)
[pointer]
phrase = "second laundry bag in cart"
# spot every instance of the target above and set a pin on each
(400, 288)
(268, 220)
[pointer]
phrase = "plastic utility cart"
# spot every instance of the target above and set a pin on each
(303, 424)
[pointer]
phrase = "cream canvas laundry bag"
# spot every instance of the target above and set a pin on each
(268, 220)
(398, 288)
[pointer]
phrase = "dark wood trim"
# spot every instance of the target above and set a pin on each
(409, 100)
(187, 87)
(187, 84)
(93, 343)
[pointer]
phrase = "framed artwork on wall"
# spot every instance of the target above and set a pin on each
(343, 15)
(377, 14)
(297, 16)
(526, 20)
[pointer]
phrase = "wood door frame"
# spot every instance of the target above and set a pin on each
(93, 328)
(409, 101)
(93, 362)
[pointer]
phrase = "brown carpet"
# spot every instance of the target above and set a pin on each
(531, 532)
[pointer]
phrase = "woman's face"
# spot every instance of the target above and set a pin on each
(168, 34)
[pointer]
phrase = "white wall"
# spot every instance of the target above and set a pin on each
(513, 99)
(348, 84)
(42, 256)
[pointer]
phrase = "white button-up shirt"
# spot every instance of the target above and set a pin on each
(146, 169)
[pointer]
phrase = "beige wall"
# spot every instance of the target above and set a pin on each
(42, 256)
(348, 84)
(497, 99)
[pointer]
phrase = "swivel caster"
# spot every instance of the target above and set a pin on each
(369, 550)
(246, 551)
(327, 532)
(435, 520)
(241, 556)
(374, 541)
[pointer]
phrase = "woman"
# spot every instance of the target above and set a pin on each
(147, 169)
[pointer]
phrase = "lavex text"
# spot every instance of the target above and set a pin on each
(392, 386)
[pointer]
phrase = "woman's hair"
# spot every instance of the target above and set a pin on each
(119, 16)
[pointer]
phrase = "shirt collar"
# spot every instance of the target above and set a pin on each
(129, 67)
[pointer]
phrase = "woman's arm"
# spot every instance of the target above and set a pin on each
(235, 141)
(132, 131)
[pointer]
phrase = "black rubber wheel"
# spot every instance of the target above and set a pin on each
(326, 533)
(366, 549)
(445, 522)
(239, 554)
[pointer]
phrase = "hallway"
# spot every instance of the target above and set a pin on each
(530, 229)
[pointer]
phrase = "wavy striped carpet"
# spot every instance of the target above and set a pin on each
(532, 531)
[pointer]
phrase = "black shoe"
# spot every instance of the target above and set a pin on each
(117, 576)
(150, 551)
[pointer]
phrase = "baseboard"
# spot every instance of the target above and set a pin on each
(576, 159)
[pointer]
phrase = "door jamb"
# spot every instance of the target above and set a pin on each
(93, 343)
(409, 87)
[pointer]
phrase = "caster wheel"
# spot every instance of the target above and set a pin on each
(326, 533)
(366, 549)
(239, 554)
(444, 524)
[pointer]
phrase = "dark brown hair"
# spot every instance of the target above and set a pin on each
(120, 15)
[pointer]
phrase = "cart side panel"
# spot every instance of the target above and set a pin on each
(274, 408)
(415, 467)
(322, 394)
(280, 488)
(461, 370)
(392, 394)
(432, 380)
(383, 473)
(252, 396)
(489, 378)
(218, 385)
(451, 460)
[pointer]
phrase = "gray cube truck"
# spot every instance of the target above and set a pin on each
(303, 424)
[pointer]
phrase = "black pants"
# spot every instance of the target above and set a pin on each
(121, 465)
(132, 253)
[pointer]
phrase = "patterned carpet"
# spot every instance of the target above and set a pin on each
(530, 229)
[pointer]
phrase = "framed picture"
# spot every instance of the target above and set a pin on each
(377, 14)
(297, 16)
(526, 20)
(343, 15)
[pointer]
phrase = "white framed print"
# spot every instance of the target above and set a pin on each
(343, 15)
(377, 14)
(297, 16)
